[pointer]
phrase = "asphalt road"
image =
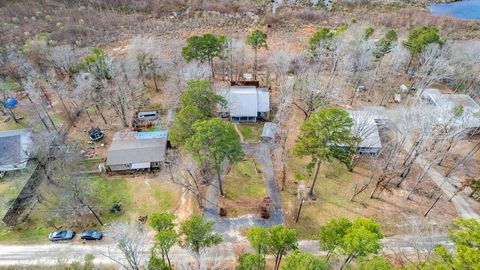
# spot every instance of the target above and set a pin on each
(53, 253)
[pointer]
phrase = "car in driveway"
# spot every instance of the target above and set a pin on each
(91, 235)
(61, 235)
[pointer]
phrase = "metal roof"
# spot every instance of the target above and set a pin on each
(269, 130)
(245, 101)
(137, 147)
(14, 148)
(365, 127)
(446, 104)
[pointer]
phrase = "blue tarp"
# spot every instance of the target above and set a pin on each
(151, 135)
(10, 103)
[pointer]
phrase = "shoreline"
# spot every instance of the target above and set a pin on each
(444, 1)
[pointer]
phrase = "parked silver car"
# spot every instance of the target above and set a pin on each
(61, 235)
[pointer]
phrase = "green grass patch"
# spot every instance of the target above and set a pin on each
(136, 197)
(251, 132)
(91, 109)
(110, 192)
(154, 107)
(92, 160)
(163, 200)
(11, 125)
(57, 119)
(154, 128)
(11, 184)
(244, 181)
(34, 234)
(333, 189)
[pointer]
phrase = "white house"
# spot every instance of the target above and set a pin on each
(446, 104)
(245, 103)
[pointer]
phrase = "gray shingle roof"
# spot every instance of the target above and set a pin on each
(14, 147)
(135, 147)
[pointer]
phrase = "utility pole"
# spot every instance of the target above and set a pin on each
(299, 210)
(434, 203)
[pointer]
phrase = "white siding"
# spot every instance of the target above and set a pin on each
(263, 101)
(142, 165)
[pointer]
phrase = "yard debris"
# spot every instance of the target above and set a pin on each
(143, 219)
(266, 208)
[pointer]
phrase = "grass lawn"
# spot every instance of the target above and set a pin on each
(110, 192)
(154, 128)
(244, 188)
(11, 184)
(251, 132)
(151, 196)
(21, 235)
(333, 189)
(11, 125)
(138, 196)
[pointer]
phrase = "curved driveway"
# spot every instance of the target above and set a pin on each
(230, 227)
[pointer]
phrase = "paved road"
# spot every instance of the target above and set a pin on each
(230, 227)
(52, 253)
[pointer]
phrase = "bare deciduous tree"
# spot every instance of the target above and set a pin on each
(433, 67)
(182, 172)
(132, 242)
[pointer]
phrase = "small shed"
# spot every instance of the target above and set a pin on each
(403, 88)
(269, 131)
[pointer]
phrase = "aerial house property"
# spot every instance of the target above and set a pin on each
(14, 149)
(245, 103)
(137, 150)
(366, 129)
(446, 103)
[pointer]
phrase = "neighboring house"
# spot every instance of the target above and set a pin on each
(137, 150)
(245, 103)
(14, 149)
(365, 127)
(446, 103)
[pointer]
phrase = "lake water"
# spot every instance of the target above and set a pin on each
(465, 9)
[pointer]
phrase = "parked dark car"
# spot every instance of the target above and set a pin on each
(91, 235)
(61, 235)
